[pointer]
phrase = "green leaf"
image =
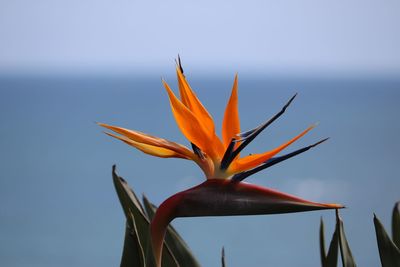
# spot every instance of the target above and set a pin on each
(136, 218)
(396, 224)
(149, 207)
(175, 242)
(223, 257)
(132, 254)
(388, 252)
(322, 243)
(329, 260)
(347, 257)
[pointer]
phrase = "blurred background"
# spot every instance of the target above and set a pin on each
(65, 65)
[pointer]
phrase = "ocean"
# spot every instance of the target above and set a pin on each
(58, 205)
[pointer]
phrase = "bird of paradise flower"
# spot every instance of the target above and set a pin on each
(223, 193)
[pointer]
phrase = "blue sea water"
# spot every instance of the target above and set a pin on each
(58, 205)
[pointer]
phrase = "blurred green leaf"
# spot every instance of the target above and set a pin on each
(132, 254)
(329, 260)
(322, 250)
(136, 219)
(347, 257)
(396, 224)
(223, 257)
(175, 242)
(388, 252)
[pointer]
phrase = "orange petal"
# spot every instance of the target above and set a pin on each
(254, 160)
(182, 90)
(149, 149)
(190, 100)
(231, 123)
(146, 139)
(194, 130)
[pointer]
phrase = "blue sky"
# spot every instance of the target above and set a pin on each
(339, 37)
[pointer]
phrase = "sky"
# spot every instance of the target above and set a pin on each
(329, 37)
